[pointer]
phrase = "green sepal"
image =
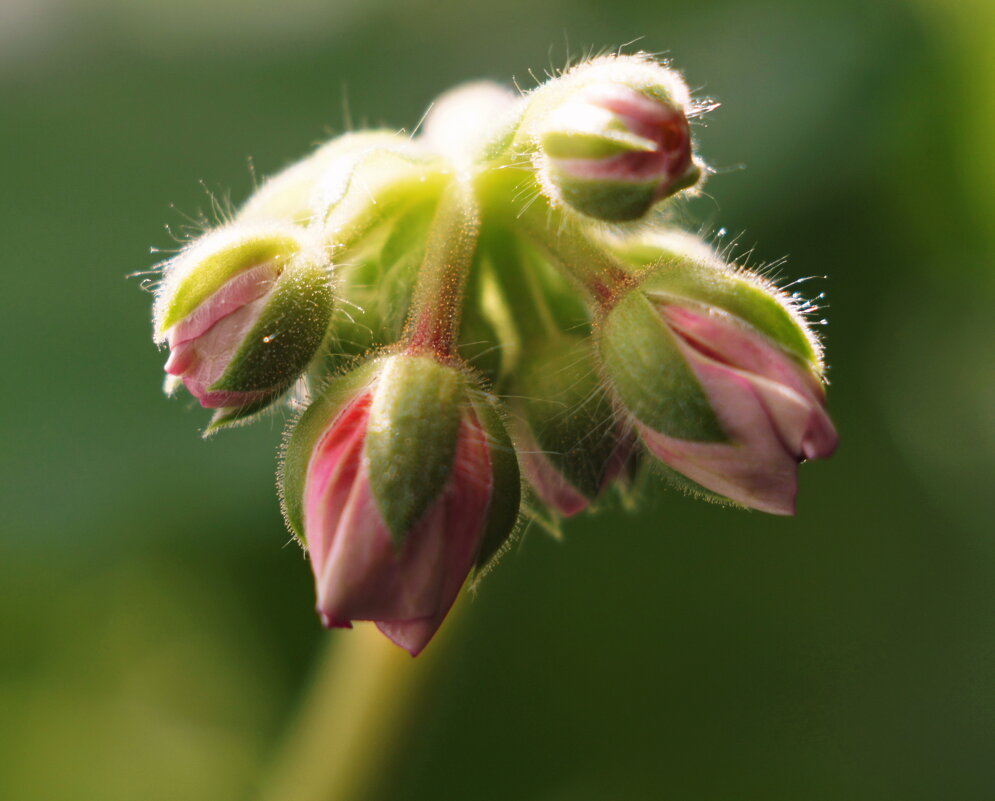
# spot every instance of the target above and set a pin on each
(411, 437)
(741, 294)
(615, 201)
(287, 334)
(506, 490)
(594, 145)
(302, 437)
(641, 358)
(229, 416)
(611, 201)
(217, 268)
(567, 410)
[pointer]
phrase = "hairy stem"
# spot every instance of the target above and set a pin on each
(527, 306)
(558, 235)
(434, 321)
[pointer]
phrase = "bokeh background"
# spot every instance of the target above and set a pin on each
(155, 621)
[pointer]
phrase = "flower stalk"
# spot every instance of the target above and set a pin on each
(361, 694)
(438, 301)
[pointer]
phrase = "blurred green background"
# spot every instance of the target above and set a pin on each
(157, 624)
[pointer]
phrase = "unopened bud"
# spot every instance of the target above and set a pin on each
(613, 152)
(611, 137)
(721, 380)
(400, 479)
(569, 442)
(302, 192)
(243, 311)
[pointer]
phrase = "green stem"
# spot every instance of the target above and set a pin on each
(340, 742)
(527, 307)
(559, 235)
(433, 324)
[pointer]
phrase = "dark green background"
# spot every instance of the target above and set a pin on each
(156, 623)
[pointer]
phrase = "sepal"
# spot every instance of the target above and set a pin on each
(411, 439)
(506, 493)
(642, 359)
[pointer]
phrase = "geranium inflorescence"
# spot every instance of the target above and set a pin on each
(494, 319)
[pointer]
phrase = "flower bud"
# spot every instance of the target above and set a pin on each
(611, 137)
(303, 191)
(564, 425)
(613, 152)
(400, 479)
(243, 312)
(722, 381)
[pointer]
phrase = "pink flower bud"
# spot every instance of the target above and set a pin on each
(613, 151)
(652, 138)
(769, 404)
(402, 494)
(550, 484)
(202, 346)
(243, 311)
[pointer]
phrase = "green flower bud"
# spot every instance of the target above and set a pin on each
(565, 426)
(303, 192)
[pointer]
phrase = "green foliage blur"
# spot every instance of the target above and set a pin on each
(156, 621)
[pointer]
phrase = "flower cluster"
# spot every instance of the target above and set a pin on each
(497, 306)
